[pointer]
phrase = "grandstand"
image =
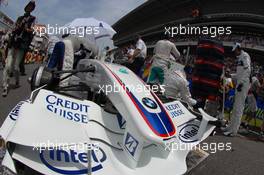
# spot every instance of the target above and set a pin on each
(6, 22)
(246, 17)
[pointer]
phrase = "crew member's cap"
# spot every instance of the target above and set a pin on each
(236, 45)
(32, 2)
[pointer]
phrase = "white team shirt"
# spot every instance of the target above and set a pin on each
(164, 48)
(142, 47)
(243, 70)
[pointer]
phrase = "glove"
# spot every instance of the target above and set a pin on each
(239, 87)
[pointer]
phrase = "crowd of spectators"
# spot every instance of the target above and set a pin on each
(245, 40)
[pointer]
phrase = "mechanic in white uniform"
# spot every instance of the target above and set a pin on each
(177, 87)
(62, 57)
(162, 53)
(252, 99)
(242, 77)
(136, 61)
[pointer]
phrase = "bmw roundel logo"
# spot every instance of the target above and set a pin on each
(149, 103)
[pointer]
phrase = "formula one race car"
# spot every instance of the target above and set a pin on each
(70, 129)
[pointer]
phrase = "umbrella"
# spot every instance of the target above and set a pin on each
(104, 29)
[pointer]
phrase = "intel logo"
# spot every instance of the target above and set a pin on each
(188, 133)
(71, 161)
(15, 111)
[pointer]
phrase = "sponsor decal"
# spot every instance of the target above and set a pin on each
(188, 133)
(149, 103)
(175, 110)
(160, 123)
(123, 70)
(15, 111)
(67, 109)
(121, 121)
(131, 144)
(71, 161)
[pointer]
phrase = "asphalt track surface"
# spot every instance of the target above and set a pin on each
(245, 158)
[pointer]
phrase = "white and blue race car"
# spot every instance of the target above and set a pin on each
(55, 132)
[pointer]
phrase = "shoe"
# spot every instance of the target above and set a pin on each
(224, 129)
(243, 131)
(5, 92)
(23, 74)
(228, 134)
(192, 102)
(244, 125)
(16, 85)
(223, 123)
(247, 126)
